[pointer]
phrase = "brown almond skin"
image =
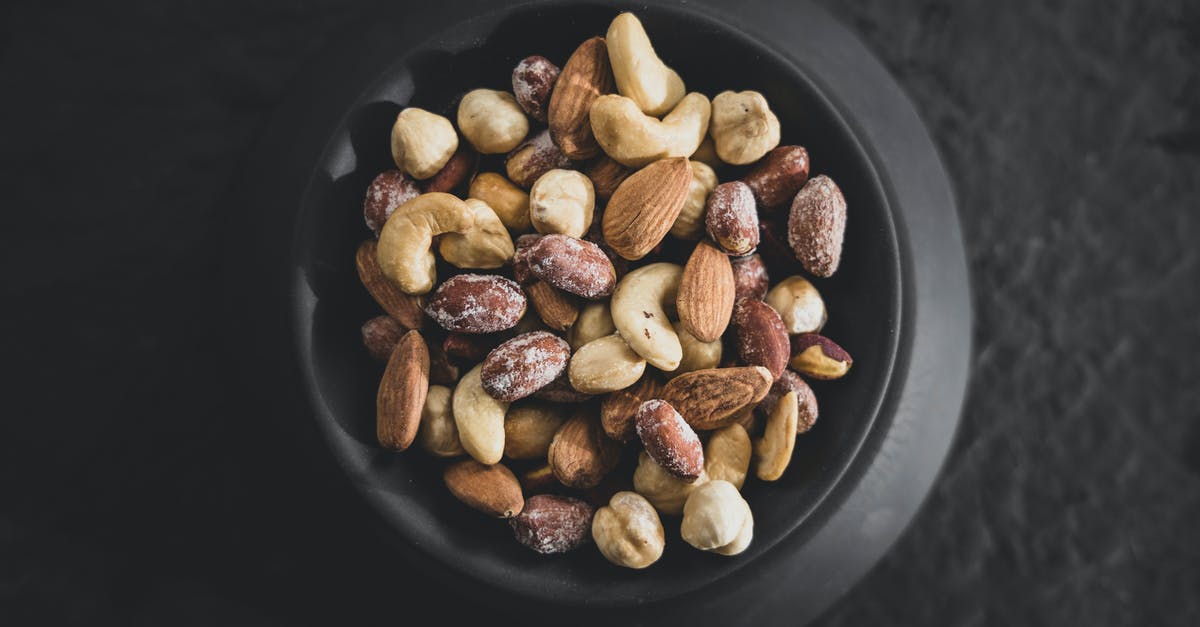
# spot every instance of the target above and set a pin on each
(644, 207)
(731, 218)
(750, 277)
(618, 410)
(532, 82)
(551, 524)
(777, 177)
(458, 170)
(556, 308)
(761, 338)
(535, 156)
(586, 76)
(468, 349)
(403, 308)
(477, 303)
(389, 190)
(580, 454)
(806, 400)
(380, 335)
(561, 391)
(607, 175)
(714, 397)
(402, 391)
(706, 292)
(573, 265)
(523, 365)
(493, 490)
(817, 226)
(818, 357)
(669, 441)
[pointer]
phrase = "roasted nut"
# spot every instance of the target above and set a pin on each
(492, 121)
(405, 250)
(486, 245)
(806, 401)
(707, 153)
(388, 191)
(468, 348)
(628, 531)
(552, 524)
(799, 305)
(605, 365)
(441, 371)
(639, 73)
(438, 434)
(644, 207)
(422, 142)
(477, 303)
(580, 454)
(403, 308)
(635, 139)
(493, 490)
(690, 224)
(584, 78)
(562, 201)
(727, 455)
(529, 428)
(479, 418)
(818, 357)
(520, 259)
(714, 517)
(606, 175)
(710, 399)
(773, 451)
(510, 202)
(380, 335)
(778, 176)
(556, 308)
(705, 300)
(593, 323)
(618, 410)
(402, 391)
(459, 169)
(743, 127)
(637, 312)
(561, 391)
(666, 492)
(573, 265)
(669, 441)
(731, 218)
(697, 355)
(750, 278)
(533, 158)
(532, 81)
(817, 225)
(761, 338)
(523, 365)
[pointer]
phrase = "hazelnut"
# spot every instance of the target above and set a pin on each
(743, 127)
(562, 201)
(422, 142)
(492, 121)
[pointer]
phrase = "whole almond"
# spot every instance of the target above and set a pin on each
(401, 395)
(606, 175)
(732, 218)
(523, 365)
(580, 454)
(493, 490)
(389, 190)
(535, 156)
(777, 177)
(817, 225)
(618, 410)
(532, 82)
(644, 207)
(762, 340)
(712, 398)
(380, 335)
(806, 401)
(705, 300)
(556, 308)
(477, 303)
(458, 170)
(404, 308)
(586, 76)
(572, 265)
(819, 357)
(750, 278)
(669, 441)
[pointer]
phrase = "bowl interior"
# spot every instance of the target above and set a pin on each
(863, 299)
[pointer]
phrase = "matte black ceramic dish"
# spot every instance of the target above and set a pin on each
(899, 302)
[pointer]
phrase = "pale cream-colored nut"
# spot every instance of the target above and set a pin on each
(799, 305)
(510, 202)
(635, 139)
(743, 127)
(422, 142)
(697, 355)
(690, 223)
(562, 201)
(714, 516)
(741, 542)
(593, 323)
(727, 454)
(492, 121)
(628, 531)
(639, 73)
(529, 428)
(486, 245)
(604, 365)
(479, 418)
(405, 245)
(438, 434)
(665, 492)
(773, 451)
(706, 153)
(638, 312)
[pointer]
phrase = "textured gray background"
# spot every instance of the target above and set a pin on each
(1072, 133)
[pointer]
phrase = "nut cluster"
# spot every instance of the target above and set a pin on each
(541, 334)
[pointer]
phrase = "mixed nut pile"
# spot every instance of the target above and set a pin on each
(700, 364)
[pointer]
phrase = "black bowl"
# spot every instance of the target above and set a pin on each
(898, 303)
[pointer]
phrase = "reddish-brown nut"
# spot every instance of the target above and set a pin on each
(380, 335)
(774, 247)
(557, 309)
(468, 349)
(532, 81)
(572, 265)
(521, 258)
(403, 308)
(523, 365)
(586, 75)
(761, 340)
(493, 490)
(669, 441)
(777, 177)
(402, 391)
(477, 303)
(441, 371)
(540, 480)
(457, 171)
(714, 397)
(618, 410)
(817, 225)
(805, 400)
(750, 278)
(535, 156)
(560, 390)
(731, 218)
(606, 175)
(818, 357)
(552, 524)
(388, 191)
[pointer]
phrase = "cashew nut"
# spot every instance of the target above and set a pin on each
(561, 201)
(635, 139)
(799, 305)
(485, 245)
(773, 451)
(438, 434)
(690, 223)
(727, 454)
(510, 202)
(492, 121)
(743, 127)
(715, 518)
(593, 323)
(666, 492)
(422, 142)
(529, 428)
(628, 531)
(405, 245)
(638, 313)
(479, 418)
(605, 365)
(638, 71)
(697, 355)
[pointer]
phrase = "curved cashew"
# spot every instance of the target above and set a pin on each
(479, 418)
(635, 139)
(605, 365)
(638, 314)
(422, 142)
(486, 245)
(743, 127)
(638, 71)
(405, 245)
(773, 451)
(690, 222)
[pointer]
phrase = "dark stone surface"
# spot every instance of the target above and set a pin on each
(134, 486)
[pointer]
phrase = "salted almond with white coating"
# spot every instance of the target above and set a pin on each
(551, 524)
(817, 226)
(669, 441)
(572, 265)
(477, 303)
(806, 400)
(523, 365)
(731, 218)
